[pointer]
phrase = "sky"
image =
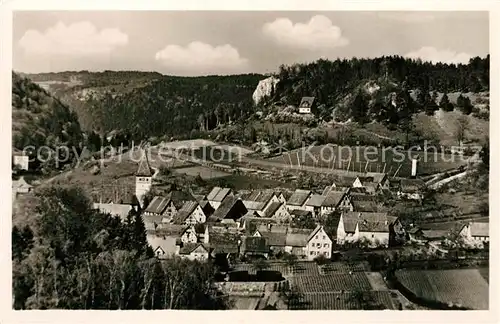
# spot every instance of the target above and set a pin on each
(230, 42)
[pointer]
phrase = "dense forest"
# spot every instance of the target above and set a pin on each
(177, 105)
(74, 257)
(330, 80)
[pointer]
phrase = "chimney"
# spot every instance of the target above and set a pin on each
(414, 167)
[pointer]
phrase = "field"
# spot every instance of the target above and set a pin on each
(203, 172)
(368, 159)
(301, 268)
(340, 301)
(331, 282)
(463, 287)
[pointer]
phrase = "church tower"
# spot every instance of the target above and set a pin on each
(143, 178)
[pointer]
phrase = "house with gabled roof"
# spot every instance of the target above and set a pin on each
(335, 200)
(259, 200)
(176, 199)
(318, 244)
(299, 199)
(190, 213)
(381, 179)
(375, 228)
(476, 231)
(217, 195)
(231, 208)
(157, 206)
(306, 104)
(193, 251)
(314, 204)
(278, 211)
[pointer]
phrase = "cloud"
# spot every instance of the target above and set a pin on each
(317, 34)
(431, 54)
(79, 39)
(408, 17)
(201, 58)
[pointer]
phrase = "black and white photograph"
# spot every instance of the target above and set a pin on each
(250, 160)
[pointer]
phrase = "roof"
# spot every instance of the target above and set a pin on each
(218, 194)
(299, 197)
(157, 205)
(435, 234)
(298, 237)
(178, 198)
(173, 230)
(253, 205)
(230, 207)
(333, 198)
(306, 102)
(316, 200)
(255, 244)
(367, 221)
(358, 190)
(364, 203)
(316, 230)
(200, 198)
(188, 248)
(144, 170)
(274, 238)
(187, 209)
(300, 212)
(345, 181)
(377, 177)
(480, 229)
(371, 187)
(273, 207)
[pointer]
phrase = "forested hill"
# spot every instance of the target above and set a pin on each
(330, 81)
(40, 119)
(177, 105)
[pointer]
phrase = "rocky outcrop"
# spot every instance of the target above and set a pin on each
(264, 89)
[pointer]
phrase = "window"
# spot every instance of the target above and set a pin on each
(313, 244)
(325, 245)
(312, 253)
(373, 235)
(316, 236)
(324, 237)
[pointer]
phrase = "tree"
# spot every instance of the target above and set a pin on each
(260, 264)
(291, 260)
(363, 300)
(484, 154)
(445, 103)
(359, 108)
(461, 128)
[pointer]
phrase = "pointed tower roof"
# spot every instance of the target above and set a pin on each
(144, 170)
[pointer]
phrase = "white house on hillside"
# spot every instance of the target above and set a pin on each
(306, 104)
